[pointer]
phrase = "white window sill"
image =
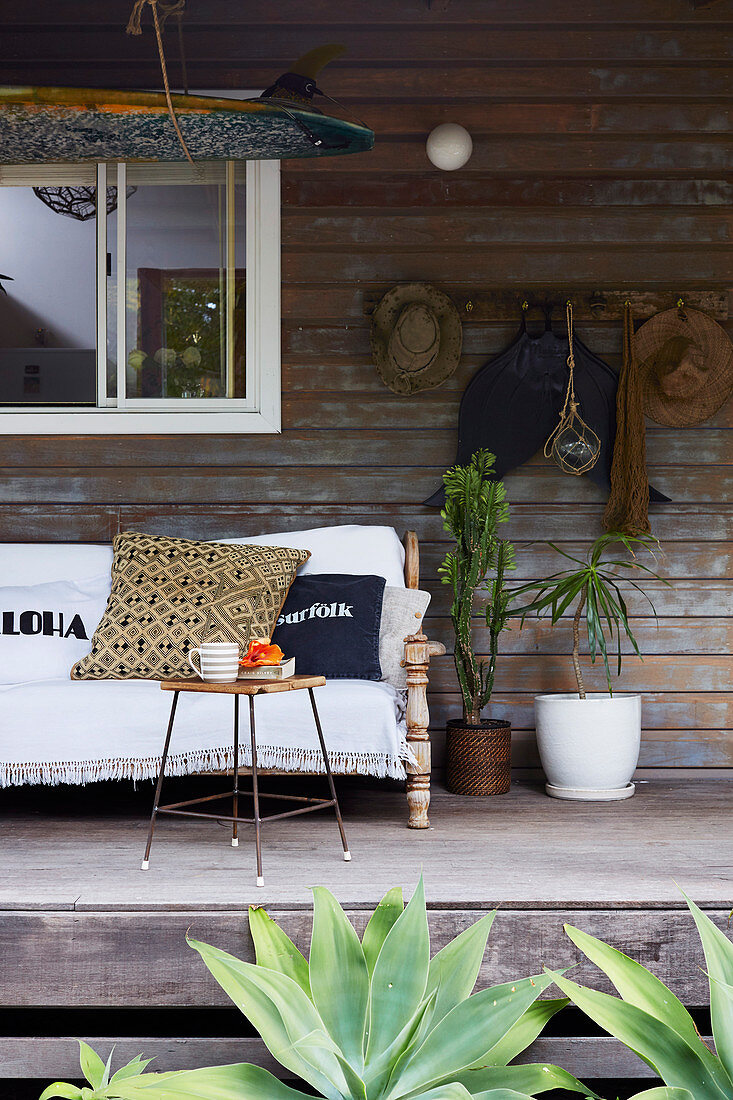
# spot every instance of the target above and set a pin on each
(111, 422)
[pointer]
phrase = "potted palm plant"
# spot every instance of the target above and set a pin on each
(589, 742)
(478, 749)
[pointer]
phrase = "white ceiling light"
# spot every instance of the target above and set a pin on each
(449, 146)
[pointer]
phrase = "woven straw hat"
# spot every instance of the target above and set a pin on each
(686, 366)
(416, 337)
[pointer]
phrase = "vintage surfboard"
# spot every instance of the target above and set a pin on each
(73, 125)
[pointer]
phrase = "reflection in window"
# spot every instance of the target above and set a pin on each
(48, 313)
(186, 292)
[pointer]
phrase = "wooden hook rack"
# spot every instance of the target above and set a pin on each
(589, 304)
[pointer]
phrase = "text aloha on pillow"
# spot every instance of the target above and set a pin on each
(330, 624)
(45, 628)
(169, 595)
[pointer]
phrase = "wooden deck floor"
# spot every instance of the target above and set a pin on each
(523, 850)
(81, 926)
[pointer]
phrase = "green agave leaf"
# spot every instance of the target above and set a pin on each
(452, 1091)
(357, 1087)
(637, 985)
(107, 1068)
(281, 1013)
(132, 1069)
(668, 1054)
(524, 1032)
(339, 977)
(383, 1063)
(663, 1093)
(453, 970)
(60, 1088)
(380, 923)
(532, 1078)
(275, 950)
(466, 1034)
(400, 974)
(319, 1040)
(501, 1094)
(237, 1082)
(719, 959)
(92, 1065)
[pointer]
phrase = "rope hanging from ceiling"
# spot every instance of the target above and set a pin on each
(134, 26)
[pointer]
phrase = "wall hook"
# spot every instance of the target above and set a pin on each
(598, 303)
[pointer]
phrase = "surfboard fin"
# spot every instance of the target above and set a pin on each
(298, 84)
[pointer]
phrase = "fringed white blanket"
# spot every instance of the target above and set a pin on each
(59, 731)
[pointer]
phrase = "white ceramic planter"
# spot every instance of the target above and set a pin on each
(589, 747)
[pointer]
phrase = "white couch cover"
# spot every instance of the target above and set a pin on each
(63, 731)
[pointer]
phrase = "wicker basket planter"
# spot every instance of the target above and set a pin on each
(478, 757)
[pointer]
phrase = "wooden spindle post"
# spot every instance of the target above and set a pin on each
(418, 651)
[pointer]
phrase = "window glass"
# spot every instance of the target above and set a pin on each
(48, 310)
(140, 317)
(185, 285)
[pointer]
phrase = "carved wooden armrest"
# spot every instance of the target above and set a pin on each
(418, 651)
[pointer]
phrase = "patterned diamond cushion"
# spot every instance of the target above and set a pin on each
(169, 595)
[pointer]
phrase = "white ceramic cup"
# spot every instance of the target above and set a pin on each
(219, 662)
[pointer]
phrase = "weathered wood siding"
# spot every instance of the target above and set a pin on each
(602, 158)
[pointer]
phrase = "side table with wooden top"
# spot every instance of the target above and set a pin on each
(251, 688)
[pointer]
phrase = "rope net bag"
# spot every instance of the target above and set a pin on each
(573, 446)
(627, 510)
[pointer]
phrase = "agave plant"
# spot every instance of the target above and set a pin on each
(652, 1022)
(371, 1020)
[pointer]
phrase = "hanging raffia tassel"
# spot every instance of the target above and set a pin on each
(627, 510)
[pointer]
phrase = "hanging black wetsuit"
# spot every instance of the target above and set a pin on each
(513, 403)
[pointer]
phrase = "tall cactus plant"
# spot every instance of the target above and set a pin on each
(475, 506)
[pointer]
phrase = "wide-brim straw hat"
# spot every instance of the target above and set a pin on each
(416, 337)
(685, 362)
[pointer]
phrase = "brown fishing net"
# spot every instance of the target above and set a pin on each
(628, 504)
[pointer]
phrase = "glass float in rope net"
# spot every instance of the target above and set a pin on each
(573, 445)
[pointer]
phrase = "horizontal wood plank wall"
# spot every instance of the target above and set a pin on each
(602, 157)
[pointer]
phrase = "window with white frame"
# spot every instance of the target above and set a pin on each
(157, 311)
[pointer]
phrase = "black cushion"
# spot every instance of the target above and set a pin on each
(330, 624)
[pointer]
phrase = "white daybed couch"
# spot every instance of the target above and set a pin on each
(64, 731)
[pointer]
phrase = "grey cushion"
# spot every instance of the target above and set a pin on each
(402, 614)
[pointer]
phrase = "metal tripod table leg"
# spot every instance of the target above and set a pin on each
(159, 784)
(332, 787)
(235, 792)
(255, 790)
